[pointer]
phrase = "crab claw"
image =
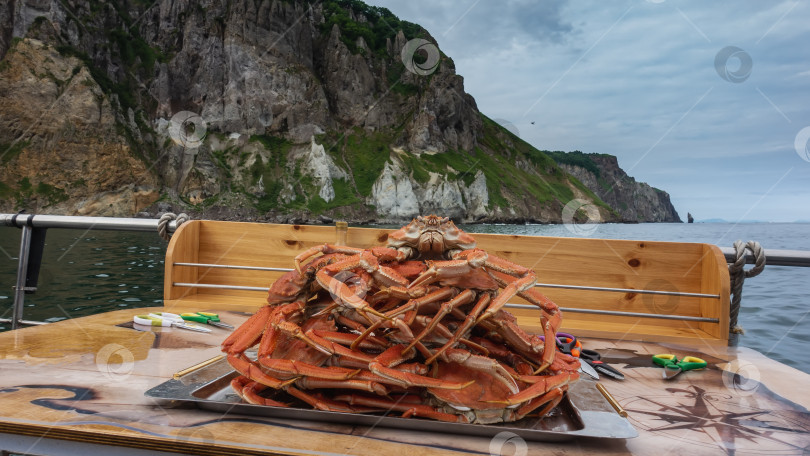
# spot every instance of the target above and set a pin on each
(542, 386)
(438, 270)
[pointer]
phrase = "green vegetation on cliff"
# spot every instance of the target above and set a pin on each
(575, 158)
(379, 25)
(513, 170)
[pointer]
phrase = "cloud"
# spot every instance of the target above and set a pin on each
(498, 23)
(638, 80)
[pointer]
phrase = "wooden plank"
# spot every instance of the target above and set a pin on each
(663, 266)
(183, 248)
(715, 279)
(203, 301)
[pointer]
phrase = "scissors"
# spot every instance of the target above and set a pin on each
(207, 318)
(569, 344)
(672, 366)
(593, 358)
(167, 319)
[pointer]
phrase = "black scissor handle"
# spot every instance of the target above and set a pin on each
(568, 344)
(593, 355)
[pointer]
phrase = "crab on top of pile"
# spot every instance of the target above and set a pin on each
(417, 327)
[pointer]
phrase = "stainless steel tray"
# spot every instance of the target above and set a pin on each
(584, 411)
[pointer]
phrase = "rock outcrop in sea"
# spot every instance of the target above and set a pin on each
(275, 110)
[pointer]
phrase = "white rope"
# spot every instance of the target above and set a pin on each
(738, 274)
(165, 219)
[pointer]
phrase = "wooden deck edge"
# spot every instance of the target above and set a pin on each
(139, 441)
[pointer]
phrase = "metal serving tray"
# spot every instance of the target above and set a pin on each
(583, 412)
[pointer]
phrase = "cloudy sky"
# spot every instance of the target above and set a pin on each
(653, 82)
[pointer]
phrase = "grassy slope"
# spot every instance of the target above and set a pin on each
(583, 160)
(366, 154)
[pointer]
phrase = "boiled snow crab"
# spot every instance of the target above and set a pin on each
(417, 327)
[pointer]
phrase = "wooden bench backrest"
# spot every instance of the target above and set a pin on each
(643, 265)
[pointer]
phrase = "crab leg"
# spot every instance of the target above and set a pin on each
(483, 364)
(370, 342)
(382, 366)
(398, 292)
(249, 390)
(292, 368)
(363, 385)
(438, 270)
(551, 316)
(469, 321)
(343, 294)
(278, 322)
(442, 334)
(412, 305)
(249, 333)
(397, 323)
(530, 346)
(518, 286)
(408, 408)
(246, 336)
(321, 403)
(544, 384)
(356, 326)
(465, 297)
(324, 249)
(252, 371)
(332, 348)
(551, 399)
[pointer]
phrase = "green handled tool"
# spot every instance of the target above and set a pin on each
(672, 366)
(207, 318)
(167, 319)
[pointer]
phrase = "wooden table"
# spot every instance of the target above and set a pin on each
(76, 386)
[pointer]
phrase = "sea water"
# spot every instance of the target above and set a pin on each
(88, 272)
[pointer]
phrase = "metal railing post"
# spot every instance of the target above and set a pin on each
(22, 272)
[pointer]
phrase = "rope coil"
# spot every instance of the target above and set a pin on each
(165, 219)
(738, 274)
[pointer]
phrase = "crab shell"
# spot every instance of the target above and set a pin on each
(476, 401)
(430, 235)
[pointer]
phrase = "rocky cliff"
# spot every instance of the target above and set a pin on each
(62, 152)
(254, 109)
(633, 201)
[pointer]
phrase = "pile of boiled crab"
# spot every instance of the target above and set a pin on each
(415, 328)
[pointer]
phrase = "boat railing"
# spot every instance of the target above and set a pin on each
(32, 240)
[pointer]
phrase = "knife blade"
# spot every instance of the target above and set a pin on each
(588, 369)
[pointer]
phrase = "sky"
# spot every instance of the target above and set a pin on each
(709, 101)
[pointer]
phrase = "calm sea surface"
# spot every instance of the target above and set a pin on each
(91, 272)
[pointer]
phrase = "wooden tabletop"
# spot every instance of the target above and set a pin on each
(83, 380)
